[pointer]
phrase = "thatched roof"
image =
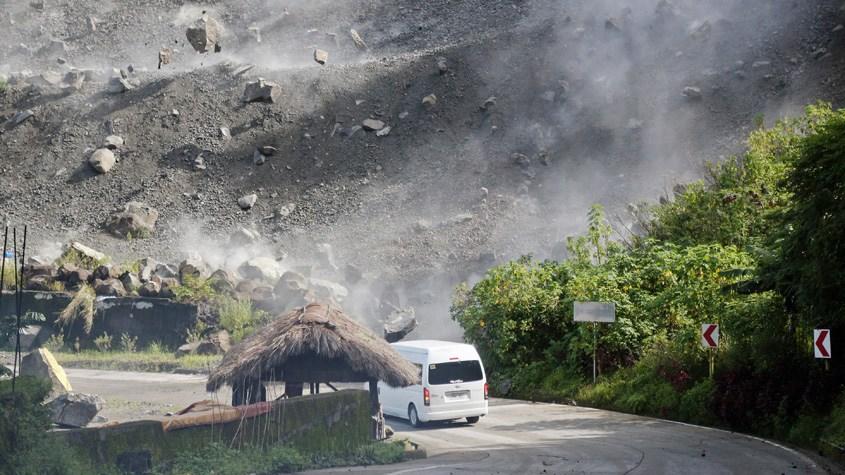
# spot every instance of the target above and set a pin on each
(315, 343)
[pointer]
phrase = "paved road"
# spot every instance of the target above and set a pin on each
(517, 437)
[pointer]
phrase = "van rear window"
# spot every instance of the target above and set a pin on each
(454, 372)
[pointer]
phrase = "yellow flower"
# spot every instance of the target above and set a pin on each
(481, 323)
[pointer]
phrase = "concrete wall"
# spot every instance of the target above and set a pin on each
(329, 421)
(148, 319)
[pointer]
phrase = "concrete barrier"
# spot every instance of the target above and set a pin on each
(323, 422)
(148, 319)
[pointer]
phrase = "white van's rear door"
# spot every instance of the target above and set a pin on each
(456, 385)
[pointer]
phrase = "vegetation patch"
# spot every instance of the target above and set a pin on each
(153, 359)
(755, 248)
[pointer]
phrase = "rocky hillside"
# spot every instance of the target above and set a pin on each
(437, 139)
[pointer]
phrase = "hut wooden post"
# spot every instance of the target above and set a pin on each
(375, 412)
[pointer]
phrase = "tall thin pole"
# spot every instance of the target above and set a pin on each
(595, 345)
(19, 306)
(3, 262)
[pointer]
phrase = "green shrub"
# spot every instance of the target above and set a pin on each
(128, 343)
(103, 342)
(695, 404)
(239, 317)
(194, 289)
(25, 448)
(81, 306)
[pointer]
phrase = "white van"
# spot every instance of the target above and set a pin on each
(454, 385)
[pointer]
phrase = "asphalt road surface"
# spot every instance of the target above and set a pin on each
(517, 437)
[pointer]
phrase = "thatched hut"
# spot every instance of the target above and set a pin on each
(313, 344)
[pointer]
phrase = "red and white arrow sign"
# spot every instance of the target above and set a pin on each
(821, 343)
(709, 335)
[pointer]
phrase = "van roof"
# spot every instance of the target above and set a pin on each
(432, 344)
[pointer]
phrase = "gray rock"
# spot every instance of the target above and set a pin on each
(109, 288)
(248, 201)
(371, 125)
(41, 364)
(321, 56)
(267, 150)
(222, 282)
(150, 289)
(187, 349)
(130, 282)
(521, 160)
(167, 286)
(488, 103)
(258, 158)
(193, 266)
(75, 409)
(102, 160)
(442, 67)
(356, 38)
(399, 324)
(429, 101)
(225, 133)
(119, 85)
(113, 142)
(148, 269)
(384, 131)
(692, 93)
(205, 35)
(137, 220)
(215, 344)
(166, 271)
(326, 290)
(199, 163)
(243, 237)
(20, 117)
(261, 91)
(260, 268)
(165, 56)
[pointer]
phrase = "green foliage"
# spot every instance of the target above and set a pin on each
(239, 317)
(25, 447)
(3, 84)
(222, 459)
(157, 360)
(9, 272)
(75, 258)
(194, 289)
(756, 248)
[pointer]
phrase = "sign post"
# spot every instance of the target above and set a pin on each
(596, 312)
(710, 341)
(821, 345)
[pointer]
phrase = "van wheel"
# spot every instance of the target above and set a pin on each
(413, 417)
(473, 419)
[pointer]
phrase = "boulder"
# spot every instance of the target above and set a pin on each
(193, 266)
(74, 79)
(148, 268)
(102, 160)
(113, 142)
(268, 150)
(136, 220)
(119, 85)
(84, 255)
(399, 324)
(165, 56)
(109, 288)
(372, 125)
(166, 271)
(73, 275)
(167, 286)
(75, 409)
(131, 282)
(692, 93)
(205, 35)
(258, 158)
(429, 101)
(222, 282)
(321, 56)
(356, 38)
(327, 290)
(187, 349)
(260, 268)
(41, 364)
(215, 344)
(261, 91)
(243, 237)
(262, 293)
(150, 289)
(248, 201)
(442, 67)
(40, 283)
(102, 272)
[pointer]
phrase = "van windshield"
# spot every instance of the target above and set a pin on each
(454, 372)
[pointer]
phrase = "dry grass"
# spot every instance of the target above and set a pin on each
(81, 306)
(316, 343)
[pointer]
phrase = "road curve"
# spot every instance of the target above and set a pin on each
(526, 438)
(517, 437)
